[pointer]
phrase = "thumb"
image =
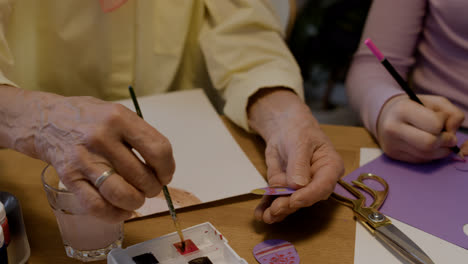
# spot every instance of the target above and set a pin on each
(446, 139)
(298, 168)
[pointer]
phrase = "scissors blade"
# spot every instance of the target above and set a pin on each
(403, 245)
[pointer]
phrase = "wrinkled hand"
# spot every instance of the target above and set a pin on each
(411, 132)
(82, 137)
(298, 154)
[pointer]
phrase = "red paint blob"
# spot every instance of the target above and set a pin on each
(189, 247)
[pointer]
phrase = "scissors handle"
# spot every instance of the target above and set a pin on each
(369, 216)
(378, 196)
(377, 223)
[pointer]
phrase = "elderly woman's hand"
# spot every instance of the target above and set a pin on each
(298, 154)
(84, 137)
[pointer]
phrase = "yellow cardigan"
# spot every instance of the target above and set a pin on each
(73, 48)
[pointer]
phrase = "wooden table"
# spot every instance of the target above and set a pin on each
(323, 233)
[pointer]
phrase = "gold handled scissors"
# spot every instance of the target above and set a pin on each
(377, 223)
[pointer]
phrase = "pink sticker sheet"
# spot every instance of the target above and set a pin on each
(276, 251)
(274, 191)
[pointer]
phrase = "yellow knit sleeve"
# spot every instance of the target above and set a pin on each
(6, 57)
(243, 46)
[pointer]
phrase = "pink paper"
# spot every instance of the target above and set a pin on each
(276, 251)
(431, 197)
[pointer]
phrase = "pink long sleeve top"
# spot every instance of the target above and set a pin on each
(424, 39)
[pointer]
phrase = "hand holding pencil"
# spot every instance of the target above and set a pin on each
(416, 128)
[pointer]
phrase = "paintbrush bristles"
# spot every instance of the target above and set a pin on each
(173, 215)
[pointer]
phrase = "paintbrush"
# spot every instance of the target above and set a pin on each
(165, 190)
(403, 84)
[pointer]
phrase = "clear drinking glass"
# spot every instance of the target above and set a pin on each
(84, 236)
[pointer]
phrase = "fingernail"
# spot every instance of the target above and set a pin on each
(258, 216)
(299, 180)
(278, 212)
(297, 204)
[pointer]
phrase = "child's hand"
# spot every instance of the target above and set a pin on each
(411, 132)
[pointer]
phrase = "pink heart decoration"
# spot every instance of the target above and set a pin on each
(276, 251)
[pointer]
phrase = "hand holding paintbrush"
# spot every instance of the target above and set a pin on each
(164, 188)
(412, 131)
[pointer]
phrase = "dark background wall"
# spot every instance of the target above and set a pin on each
(325, 35)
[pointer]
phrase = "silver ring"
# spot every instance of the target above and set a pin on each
(103, 177)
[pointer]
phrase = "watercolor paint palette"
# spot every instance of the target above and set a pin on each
(211, 247)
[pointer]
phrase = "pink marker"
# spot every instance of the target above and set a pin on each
(374, 49)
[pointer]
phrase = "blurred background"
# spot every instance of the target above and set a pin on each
(323, 35)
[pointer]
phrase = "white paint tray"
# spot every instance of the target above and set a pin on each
(210, 242)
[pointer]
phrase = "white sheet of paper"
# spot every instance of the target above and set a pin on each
(369, 250)
(209, 163)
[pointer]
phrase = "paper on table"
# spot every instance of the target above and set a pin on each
(430, 196)
(210, 165)
(368, 249)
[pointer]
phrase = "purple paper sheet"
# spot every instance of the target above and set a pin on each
(432, 197)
